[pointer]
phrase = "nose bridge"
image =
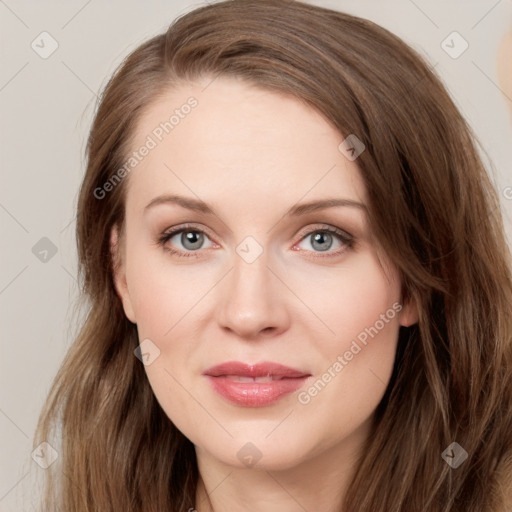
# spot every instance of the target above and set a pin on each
(250, 299)
(250, 280)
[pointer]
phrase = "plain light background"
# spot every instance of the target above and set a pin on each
(46, 107)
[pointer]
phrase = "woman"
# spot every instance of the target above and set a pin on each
(298, 280)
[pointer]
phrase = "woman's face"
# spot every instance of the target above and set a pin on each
(254, 277)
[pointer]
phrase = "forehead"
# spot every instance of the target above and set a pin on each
(229, 140)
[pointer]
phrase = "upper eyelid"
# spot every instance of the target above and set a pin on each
(178, 229)
(328, 228)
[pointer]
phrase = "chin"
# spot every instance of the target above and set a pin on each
(256, 452)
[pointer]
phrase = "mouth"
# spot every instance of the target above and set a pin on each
(242, 378)
(254, 385)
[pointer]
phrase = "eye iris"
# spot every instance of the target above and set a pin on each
(320, 237)
(192, 237)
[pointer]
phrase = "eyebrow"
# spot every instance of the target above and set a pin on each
(296, 210)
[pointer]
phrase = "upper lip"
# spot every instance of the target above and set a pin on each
(254, 370)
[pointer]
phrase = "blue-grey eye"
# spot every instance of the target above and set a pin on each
(192, 240)
(322, 241)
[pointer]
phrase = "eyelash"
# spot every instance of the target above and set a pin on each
(345, 238)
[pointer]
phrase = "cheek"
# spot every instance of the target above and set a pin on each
(163, 298)
(349, 300)
(361, 307)
(162, 292)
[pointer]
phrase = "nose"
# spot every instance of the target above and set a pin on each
(252, 300)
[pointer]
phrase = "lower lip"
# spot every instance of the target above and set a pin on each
(255, 394)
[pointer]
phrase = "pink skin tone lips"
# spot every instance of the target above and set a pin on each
(254, 385)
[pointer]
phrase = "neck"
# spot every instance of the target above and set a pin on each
(317, 483)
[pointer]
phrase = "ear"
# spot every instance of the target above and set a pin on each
(119, 273)
(409, 312)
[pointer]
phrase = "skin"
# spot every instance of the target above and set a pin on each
(252, 154)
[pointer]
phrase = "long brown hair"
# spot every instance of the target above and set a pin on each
(433, 210)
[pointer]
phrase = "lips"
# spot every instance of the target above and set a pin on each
(254, 385)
